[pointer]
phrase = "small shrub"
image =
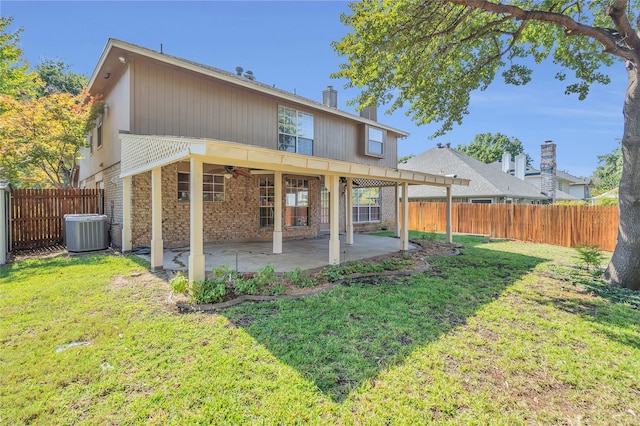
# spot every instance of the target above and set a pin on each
(277, 290)
(179, 283)
(589, 256)
(263, 278)
(299, 278)
(223, 273)
(333, 273)
(208, 291)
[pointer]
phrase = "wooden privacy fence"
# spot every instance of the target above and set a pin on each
(37, 215)
(568, 226)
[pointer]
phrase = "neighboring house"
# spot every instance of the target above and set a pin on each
(568, 187)
(188, 153)
(487, 183)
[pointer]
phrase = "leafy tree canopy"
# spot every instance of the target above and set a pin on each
(40, 139)
(609, 171)
(488, 147)
(15, 78)
(56, 77)
(429, 55)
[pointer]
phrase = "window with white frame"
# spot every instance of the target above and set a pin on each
(374, 141)
(295, 131)
(267, 201)
(366, 204)
(212, 183)
(297, 202)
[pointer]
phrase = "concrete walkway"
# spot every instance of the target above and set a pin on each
(304, 254)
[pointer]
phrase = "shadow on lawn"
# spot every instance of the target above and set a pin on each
(615, 310)
(346, 336)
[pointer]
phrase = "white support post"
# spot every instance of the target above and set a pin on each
(156, 220)
(196, 256)
(277, 212)
(349, 212)
(404, 232)
(449, 215)
(126, 214)
(397, 202)
(334, 219)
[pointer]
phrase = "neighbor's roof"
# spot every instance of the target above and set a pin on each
(530, 171)
(111, 65)
(486, 180)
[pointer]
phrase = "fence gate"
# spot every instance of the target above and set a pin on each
(37, 215)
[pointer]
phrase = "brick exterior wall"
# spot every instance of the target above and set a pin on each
(234, 219)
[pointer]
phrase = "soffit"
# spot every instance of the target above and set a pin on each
(141, 153)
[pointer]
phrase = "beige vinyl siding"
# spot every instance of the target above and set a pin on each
(169, 101)
(181, 103)
(342, 139)
(117, 118)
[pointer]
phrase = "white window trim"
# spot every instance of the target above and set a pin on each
(367, 140)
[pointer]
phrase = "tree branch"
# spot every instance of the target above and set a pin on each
(570, 25)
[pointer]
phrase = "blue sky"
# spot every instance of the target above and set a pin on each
(288, 44)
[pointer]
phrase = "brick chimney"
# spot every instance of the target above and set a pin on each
(548, 170)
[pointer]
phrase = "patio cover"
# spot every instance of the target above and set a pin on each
(141, 153)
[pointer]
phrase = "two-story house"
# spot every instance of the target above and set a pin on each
(188, 153)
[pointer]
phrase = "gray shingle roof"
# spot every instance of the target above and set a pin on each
(486, 180)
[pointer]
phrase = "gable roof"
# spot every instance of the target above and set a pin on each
(116, 54)
(530, 171)
(486, 180)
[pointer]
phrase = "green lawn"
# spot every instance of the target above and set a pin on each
(506, 333)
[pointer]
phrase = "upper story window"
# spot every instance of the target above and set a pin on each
(295, 131)
(212, 184)
(374, 142)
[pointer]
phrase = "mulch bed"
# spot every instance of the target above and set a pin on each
(426, 249)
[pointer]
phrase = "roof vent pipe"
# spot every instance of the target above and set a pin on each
(239, 70)
(330, 97)
(249, 75)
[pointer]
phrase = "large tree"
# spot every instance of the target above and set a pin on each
(431, 54)
(607, 175)
(489, 147)
(57, 77)
(40, 138)
(15, 78)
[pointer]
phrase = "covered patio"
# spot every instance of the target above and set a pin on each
(142, 153)
(305, 254)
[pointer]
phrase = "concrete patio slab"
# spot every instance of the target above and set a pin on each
(304, 254)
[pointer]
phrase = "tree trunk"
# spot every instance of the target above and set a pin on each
(624, 269)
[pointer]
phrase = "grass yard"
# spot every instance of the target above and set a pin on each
(507, 333)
